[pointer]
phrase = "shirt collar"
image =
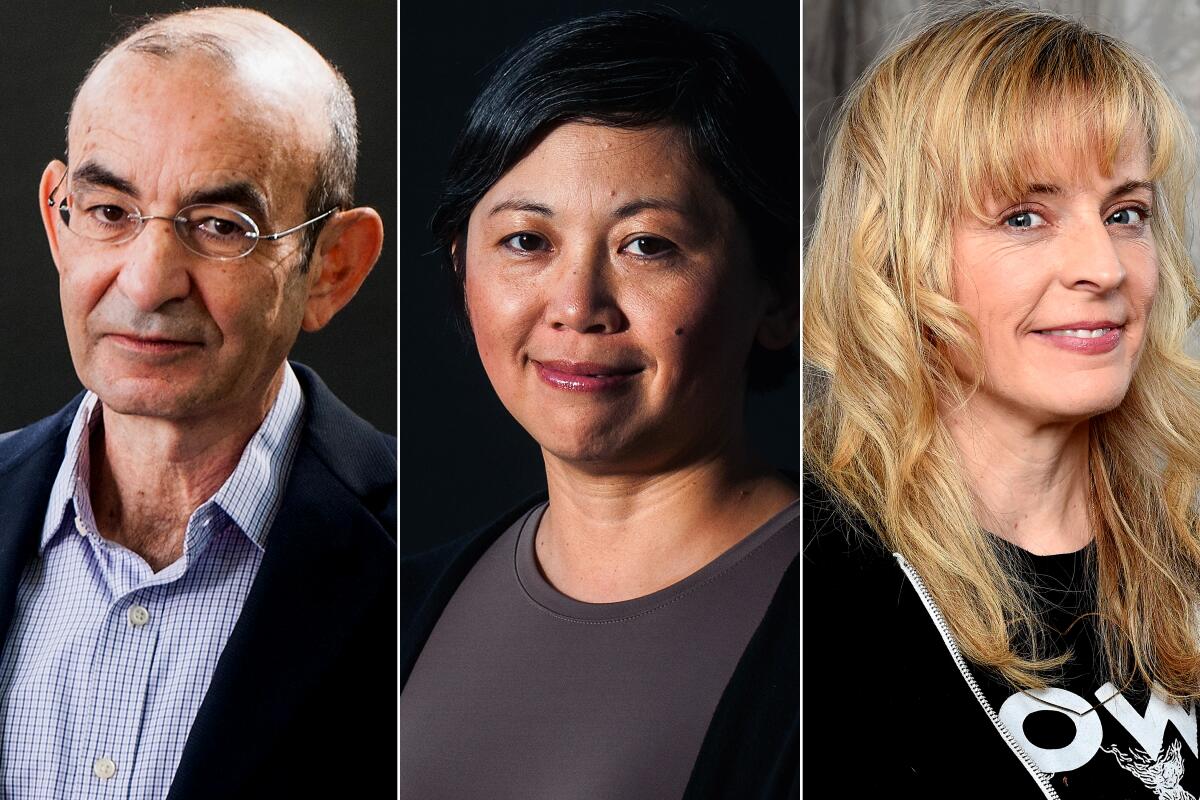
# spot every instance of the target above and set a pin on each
(250, 496)
(74, 468)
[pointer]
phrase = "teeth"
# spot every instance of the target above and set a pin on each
(1081, 334)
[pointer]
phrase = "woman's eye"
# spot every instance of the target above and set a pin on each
(648, 246)
(526, 242)
(1127, 216)
(1025, 219)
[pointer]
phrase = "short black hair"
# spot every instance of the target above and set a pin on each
(632, 69)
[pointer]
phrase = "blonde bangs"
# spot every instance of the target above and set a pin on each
(1054, 104)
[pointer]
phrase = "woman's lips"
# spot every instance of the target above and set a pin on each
(1090, 340)
(584, 376)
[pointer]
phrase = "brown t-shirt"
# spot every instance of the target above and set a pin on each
(522, 692)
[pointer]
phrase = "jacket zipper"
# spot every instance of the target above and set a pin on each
(939, 621)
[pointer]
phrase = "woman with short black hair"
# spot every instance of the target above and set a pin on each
(621, 221)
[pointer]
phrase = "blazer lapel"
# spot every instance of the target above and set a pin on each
(316, 580)
(31, 458)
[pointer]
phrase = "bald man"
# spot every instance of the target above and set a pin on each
(197, 554)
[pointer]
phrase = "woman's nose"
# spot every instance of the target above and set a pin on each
(1092, 261)
(581, 295)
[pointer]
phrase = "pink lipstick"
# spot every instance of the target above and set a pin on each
(585, 376)
(1085, 338)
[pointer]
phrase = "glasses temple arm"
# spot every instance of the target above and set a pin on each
(50, 199)
(281, 234)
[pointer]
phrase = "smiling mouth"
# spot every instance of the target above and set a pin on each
(584, 376)
(1092, 338)
(1079, 333)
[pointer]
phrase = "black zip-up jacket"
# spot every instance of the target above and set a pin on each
(887, 709)
(751, 749)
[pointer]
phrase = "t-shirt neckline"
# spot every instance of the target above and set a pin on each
(545, 595)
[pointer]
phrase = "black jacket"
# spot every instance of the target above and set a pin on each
(887, 709)
(751, 749)
(302, 703)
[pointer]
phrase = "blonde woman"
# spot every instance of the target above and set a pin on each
(1003, 430)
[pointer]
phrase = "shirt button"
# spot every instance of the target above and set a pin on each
(79, 526)
(138, 616)
(104, 768)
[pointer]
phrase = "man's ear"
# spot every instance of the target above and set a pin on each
(346, 250)
(51, 176)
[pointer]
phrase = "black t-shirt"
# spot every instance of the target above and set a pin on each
(1095, 739)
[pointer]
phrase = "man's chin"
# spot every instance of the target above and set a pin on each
(143, 397)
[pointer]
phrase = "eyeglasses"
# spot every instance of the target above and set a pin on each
(207, 230)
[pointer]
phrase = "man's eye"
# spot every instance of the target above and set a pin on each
(215, 226)
(526, 242)
(649, 246)
(1025, 219)
(107, 214)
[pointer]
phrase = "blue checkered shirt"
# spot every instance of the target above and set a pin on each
(107, 661)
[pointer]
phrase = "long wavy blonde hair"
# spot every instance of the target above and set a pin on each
(989, 100)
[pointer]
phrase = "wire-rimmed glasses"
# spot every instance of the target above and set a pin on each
(212, 231)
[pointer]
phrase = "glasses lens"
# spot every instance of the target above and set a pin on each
(102, 216)
(216, 231)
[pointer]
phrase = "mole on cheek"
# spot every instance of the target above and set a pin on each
(679, 331)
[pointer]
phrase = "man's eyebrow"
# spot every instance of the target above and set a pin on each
(521, 204)
(92, 174)
(649, 204)
(239, 193)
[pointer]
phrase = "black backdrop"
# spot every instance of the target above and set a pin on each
(463, 460)
(46, 48)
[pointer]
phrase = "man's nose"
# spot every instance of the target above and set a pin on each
(155, 266)
(580, 294)
(1091, 261)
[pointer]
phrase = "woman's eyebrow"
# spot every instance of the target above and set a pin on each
(1116, 191)
(521, 204)
(1131, 186)
(624, 211)
(648, 204)
(1042, 188)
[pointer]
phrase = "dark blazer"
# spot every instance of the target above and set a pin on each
(302, 703)
(751, 750)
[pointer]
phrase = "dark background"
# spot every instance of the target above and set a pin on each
(463, 459)
(47, 48)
